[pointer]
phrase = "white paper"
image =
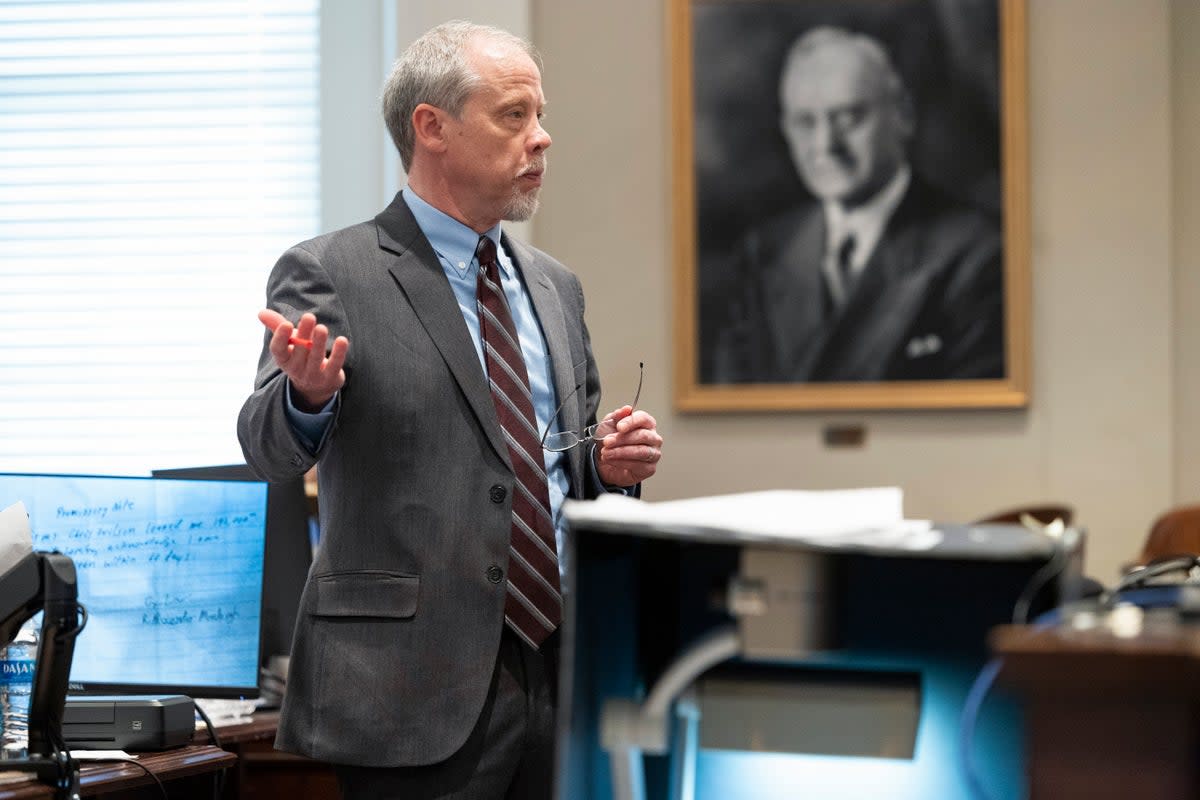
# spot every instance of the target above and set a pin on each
(225, 711)
(15, 776)
(869, 518)
(16, 540)
(102, 755)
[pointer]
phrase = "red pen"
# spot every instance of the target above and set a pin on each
(296, 340)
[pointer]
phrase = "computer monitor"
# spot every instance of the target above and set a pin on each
(288, 550)
(170, 573)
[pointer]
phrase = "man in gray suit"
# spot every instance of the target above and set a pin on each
(884, 277)
(414, 668)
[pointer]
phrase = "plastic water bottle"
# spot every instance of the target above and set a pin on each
(16, 687)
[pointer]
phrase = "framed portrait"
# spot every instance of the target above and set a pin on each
(851, 204)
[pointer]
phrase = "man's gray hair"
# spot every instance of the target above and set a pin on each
(869, 48)
(435, 70)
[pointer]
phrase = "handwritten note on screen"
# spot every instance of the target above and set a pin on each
(170, 572)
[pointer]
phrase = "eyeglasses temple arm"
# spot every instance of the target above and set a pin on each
(554, 417)
(638, 393)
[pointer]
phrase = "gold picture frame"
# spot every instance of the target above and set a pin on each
(743, 44)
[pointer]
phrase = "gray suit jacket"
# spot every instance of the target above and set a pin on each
(400, 622)
(929, 304)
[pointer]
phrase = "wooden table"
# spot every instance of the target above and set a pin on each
(253, 770)
(1106, 717)
(188, 772)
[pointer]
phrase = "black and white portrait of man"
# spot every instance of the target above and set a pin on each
(847, 162)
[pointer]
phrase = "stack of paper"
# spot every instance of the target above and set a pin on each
(869, 518)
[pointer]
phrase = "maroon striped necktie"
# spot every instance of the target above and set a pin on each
(533, 604)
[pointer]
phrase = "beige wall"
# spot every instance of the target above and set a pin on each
(1100, 429)
(1185, 174)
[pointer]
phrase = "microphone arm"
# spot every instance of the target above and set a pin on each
(45, 582)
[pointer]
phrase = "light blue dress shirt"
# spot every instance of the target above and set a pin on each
(455, 245)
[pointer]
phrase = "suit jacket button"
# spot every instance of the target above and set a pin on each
(498, 493)
(495, 574)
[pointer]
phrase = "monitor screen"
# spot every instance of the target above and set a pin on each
(289, 549)
(170, 572)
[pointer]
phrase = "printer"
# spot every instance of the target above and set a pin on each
(128, 722)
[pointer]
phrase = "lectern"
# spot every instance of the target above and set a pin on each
(706, 663)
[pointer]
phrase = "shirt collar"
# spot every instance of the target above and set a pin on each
(867, 221)
(452, 241)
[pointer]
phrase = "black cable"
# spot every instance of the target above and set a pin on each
(82, 609)
(60, 746)
(212, 731)
(1153, 570)
(158, 781)
(62, 754)
(1043, 576)
(65, 636)
(219, 779)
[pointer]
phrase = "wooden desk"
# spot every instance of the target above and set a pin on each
(254, 770)
(264, 773)
(1106, 717)
(188, 772)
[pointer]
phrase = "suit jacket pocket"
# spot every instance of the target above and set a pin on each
(367, 593)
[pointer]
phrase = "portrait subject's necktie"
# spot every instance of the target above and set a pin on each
(845, 265)
(533, 605)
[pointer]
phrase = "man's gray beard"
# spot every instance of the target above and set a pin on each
(521, 206)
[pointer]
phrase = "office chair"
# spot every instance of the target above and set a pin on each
(1174, 533)
(1045, 514)
(1170, 558)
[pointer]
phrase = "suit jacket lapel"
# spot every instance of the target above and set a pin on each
(800, 304)
(419, 275)
(554, 326)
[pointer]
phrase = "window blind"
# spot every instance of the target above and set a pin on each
(156, 157)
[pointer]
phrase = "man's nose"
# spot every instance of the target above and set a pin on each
(825, 136)
(540, 140)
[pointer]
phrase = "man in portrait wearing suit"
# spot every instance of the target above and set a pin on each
(418, 357)
(883, 278)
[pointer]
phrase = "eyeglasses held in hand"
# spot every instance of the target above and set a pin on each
(561, 441)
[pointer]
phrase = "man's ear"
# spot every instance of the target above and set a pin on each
(428, 127)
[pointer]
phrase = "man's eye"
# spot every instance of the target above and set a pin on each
(803, 121)
(849, 117)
